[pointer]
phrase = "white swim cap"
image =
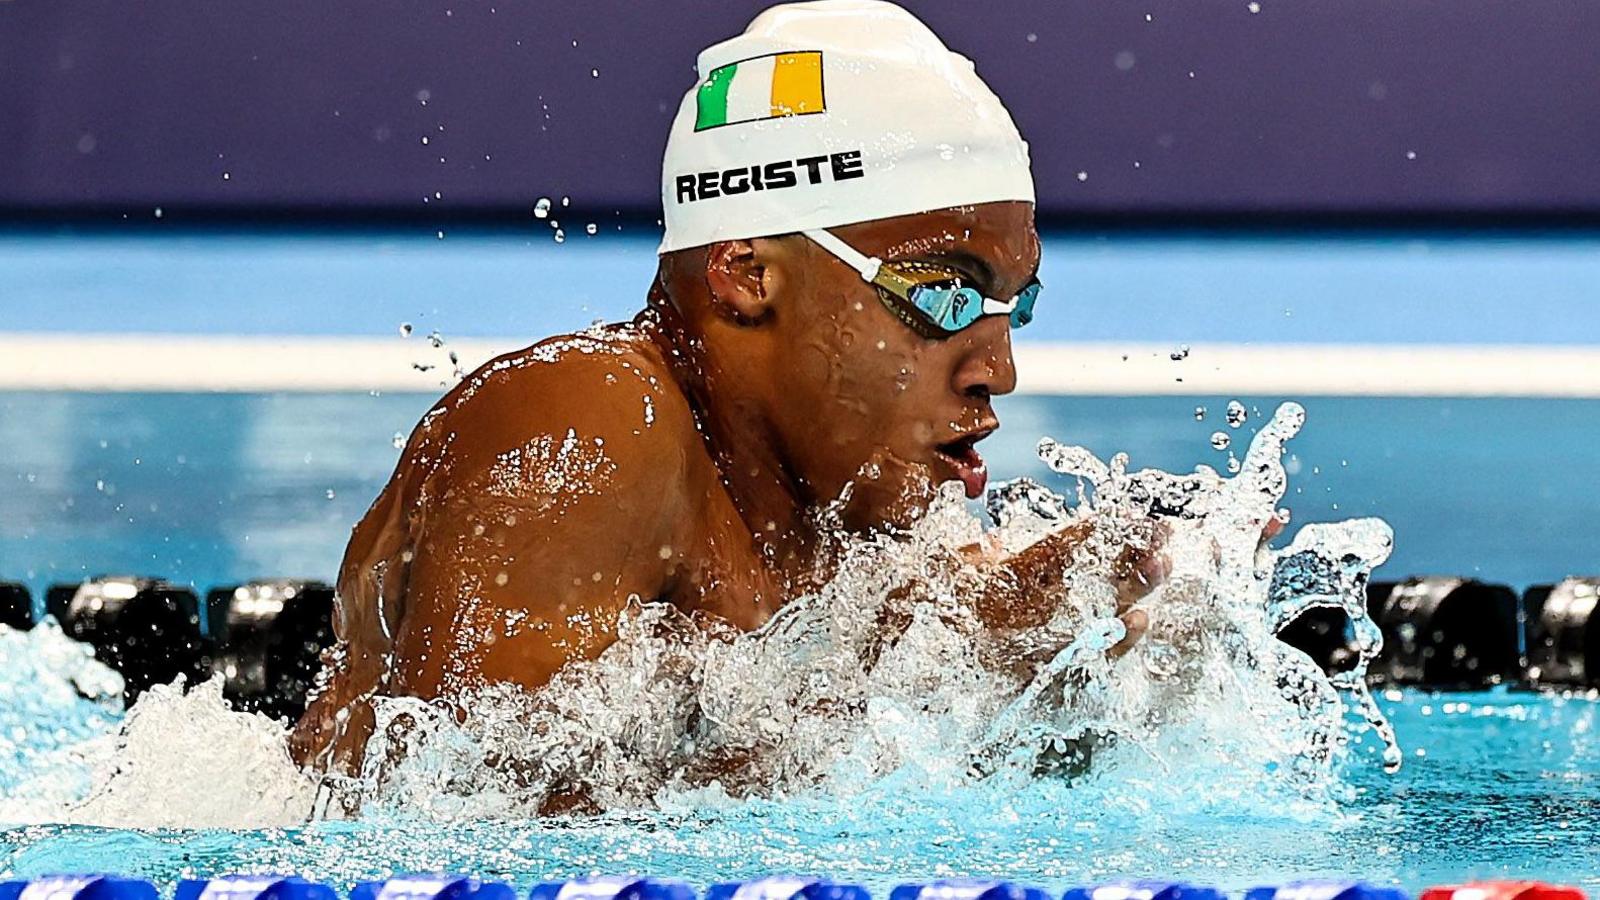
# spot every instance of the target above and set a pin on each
(832, 112)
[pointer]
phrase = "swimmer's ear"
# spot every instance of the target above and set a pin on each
(737, 278)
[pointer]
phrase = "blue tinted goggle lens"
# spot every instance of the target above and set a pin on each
(952, 308)
(1023, 314)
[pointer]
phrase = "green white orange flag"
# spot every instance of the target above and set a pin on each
(765, 87)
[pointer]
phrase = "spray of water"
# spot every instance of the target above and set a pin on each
(882, 684)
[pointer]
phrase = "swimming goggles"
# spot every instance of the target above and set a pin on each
(927, 297)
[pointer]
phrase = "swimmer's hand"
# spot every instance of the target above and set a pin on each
(1017, 585)
(1140, 570)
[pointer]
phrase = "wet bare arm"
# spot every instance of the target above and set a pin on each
(515, 529)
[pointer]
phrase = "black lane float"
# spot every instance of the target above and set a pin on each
(270, 636)
(266, 637)
(1438, 632)
(1450, 633)
(1563, 633)
(145, 628)
(16, 606)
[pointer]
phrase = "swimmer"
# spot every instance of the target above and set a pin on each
(849, 241)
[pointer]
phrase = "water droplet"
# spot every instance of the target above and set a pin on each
(1083, 176)
(1411, 154)
(561, 236)
(1199, 413)
(424, 140)
(159, 213)
(591, 228)
(594, 73)
(1220, 440)
(1180, 354)
(226, 176)
(435, 339)
(330, 493)
(398, 441)
(541, 208)
(1236, 414)
(1233, 464)
(1254, 7)
(405, 329)
(1124, 60)
(1033, 38)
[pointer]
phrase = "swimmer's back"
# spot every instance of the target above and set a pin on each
(534, 502)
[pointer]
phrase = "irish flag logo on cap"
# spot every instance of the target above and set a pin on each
(762, 87)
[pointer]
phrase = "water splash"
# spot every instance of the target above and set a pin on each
(1228, 596)
(177, 759)
(882, 685)
(57, 705)
(886, 674)
(185, 759)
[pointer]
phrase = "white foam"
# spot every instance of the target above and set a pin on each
(185, 759)
(882, 683)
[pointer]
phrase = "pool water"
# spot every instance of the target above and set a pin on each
(1495, 784)
(217, 488)
(205, 489)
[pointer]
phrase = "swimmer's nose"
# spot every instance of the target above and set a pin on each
(986, 368)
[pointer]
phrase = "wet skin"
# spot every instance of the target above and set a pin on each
(680, 459)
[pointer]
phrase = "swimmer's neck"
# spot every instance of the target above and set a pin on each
(769, 497)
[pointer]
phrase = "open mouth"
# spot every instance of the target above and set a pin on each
(969, 467)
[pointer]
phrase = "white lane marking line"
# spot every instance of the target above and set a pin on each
(164, 362)
(1427, 370)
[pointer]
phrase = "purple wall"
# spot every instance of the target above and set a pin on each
(1302, 107)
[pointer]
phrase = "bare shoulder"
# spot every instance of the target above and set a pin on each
(552, 479)
(602, 403)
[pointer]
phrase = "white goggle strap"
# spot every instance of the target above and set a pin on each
(993, 307)
(866, 266)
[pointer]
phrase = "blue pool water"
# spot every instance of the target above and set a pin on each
(207, 488)
(1494, 785)
(1194, 287)
(211, 488)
